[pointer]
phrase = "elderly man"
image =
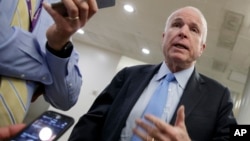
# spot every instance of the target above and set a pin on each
(153, 95)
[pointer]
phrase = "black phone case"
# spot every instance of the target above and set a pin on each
(49, 113)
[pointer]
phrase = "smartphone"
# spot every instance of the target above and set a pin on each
(49, 126)
(60, 8)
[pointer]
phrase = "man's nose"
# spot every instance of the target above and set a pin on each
(183, 31)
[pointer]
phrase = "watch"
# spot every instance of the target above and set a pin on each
(64, 52)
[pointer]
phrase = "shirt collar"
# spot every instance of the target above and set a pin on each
(162, 71)
(181, 77)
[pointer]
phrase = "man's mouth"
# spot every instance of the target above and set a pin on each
(181, 46)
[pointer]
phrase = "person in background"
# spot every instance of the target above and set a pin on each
(36, 51)
(196, 107)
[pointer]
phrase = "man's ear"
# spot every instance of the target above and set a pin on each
(203, 46)
(163, 35)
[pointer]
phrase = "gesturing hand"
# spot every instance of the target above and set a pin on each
(162, 131)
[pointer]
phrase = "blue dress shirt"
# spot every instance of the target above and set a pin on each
(24, 55)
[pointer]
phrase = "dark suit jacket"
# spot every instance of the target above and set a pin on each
(208, 107)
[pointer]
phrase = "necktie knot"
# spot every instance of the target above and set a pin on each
(170, 77)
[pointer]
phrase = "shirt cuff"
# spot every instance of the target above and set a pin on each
(65, 52)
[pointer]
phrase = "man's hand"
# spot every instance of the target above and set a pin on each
(162, 131)
(10, 131)
(78, 11)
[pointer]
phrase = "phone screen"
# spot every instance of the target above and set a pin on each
(47, 127)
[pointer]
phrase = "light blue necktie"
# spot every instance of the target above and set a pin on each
(157, 101)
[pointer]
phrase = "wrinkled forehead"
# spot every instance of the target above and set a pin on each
(189, 14)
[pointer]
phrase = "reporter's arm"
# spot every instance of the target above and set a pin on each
(64, 92)
(58, 35)
(20, 51)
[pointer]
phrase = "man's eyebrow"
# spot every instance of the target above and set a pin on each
(194, 24)
(177, 19)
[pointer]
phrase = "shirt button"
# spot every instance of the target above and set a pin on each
(70, 84)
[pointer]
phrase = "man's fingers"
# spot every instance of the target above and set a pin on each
(9, 131)
(77, 11)
(159, 129)
(160, 124)
(87, 8)
(83, 8)
(152, 129)
(180, 119)
(14, 129)
(71, 7)
(164, 129)
(54, 14)
(140, 134)
(145, 126)
(93, 8)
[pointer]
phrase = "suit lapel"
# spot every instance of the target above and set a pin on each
(136, 86)
(140, 82)
(191, 95)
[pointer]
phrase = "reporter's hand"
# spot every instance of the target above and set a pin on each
(162, 131)
(78, 11)
(10, 131)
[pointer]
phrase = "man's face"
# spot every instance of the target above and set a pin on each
(182, 39)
